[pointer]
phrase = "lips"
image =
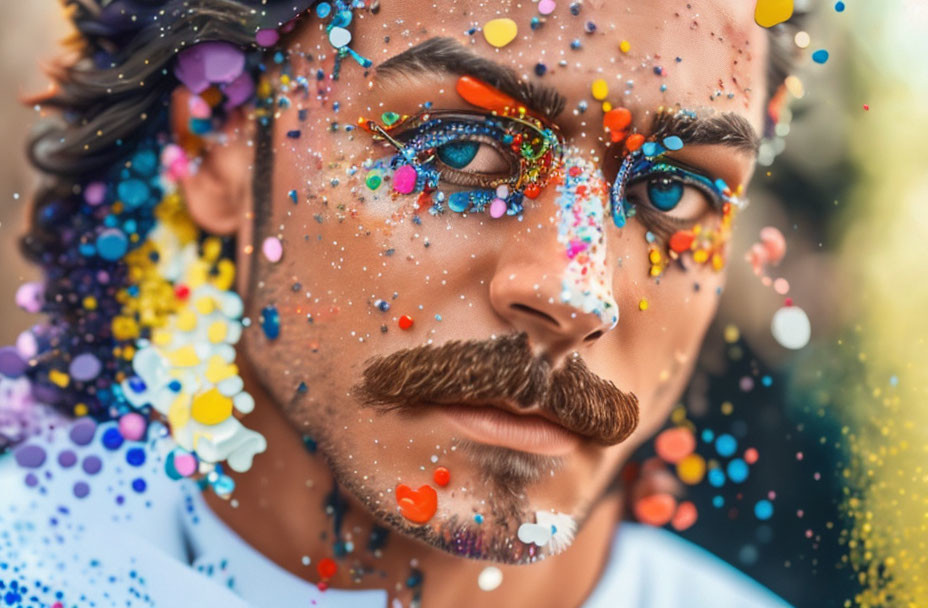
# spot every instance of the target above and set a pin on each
(525, 432)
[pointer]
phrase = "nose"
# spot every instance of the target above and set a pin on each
(553, 280)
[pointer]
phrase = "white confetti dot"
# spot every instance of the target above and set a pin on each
(791, 328)
(490, 578)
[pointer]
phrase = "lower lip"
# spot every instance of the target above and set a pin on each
(492, 426)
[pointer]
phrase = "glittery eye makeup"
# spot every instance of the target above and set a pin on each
(670, 198)
(468, 161)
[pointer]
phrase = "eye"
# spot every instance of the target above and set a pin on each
(458, 155)
(673, 196)
(474, 157)
(665, 192)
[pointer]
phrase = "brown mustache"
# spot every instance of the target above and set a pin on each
(485, 371)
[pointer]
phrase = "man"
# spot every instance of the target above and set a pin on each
(477, 248)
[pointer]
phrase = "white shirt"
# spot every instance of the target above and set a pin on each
(124, 545)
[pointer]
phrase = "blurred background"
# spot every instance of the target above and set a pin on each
(834, 508)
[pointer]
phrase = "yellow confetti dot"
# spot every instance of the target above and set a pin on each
(500, 32)
(124, 328)
(90, 303)
(186, 320)
(185, 356)
(732, 334)
(654, 256)
(642, 304)
(700, 256)
(768, 13)
(656, 270)
(727, 408)
(80, 409)
(211, 407)
(179, 412)
(691, 469)
(218, 370)
(217, 332)
(600, 89)
(625, 46)
(205, 305)
(60, 378)
(607, 107)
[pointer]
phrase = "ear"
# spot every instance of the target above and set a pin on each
(218, 190)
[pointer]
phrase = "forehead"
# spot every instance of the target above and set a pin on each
(699, 55)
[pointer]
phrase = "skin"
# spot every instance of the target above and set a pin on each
(470, 270)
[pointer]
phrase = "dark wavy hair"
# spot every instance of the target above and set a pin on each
(113, 108)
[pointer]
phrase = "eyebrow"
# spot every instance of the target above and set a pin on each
(725, 129)
(447, 55)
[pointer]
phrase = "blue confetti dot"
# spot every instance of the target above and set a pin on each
(716, 478)
(270, 322)
(478, 518)
(135, 457)
(737, 470)
(718, 502)
(112, 438)
(820, 56)
(139, 485)
(726, 445)
(707, 435)
(763, 510)
(133, 192)
(112, 244)
(766, 381)
(673, 143)
(839, 6)
(323, 9)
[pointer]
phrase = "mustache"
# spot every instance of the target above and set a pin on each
(485, 371)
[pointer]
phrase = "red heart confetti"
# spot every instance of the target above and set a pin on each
(418, 506)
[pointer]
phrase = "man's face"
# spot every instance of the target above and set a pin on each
(514, 373)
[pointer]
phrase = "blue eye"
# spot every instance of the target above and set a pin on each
(665, 193)
(458, 154)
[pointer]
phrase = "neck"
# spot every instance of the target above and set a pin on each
(288, 507)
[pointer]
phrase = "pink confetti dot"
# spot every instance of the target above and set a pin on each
(132, 426)
(185, 464)
(546, 7)
(273, 249)
(781, 286)
(404, 179)
(497, 208)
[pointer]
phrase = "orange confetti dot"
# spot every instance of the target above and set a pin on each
(685, 516)
(751, 455)
(442, 476)
(655, 510)
(617, 119)
(673, 445)
(405, 322)
(634, 142)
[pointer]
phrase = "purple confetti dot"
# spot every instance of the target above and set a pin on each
(85, 367)
(30, 456)
(67, 458)
(81, 489)
(92, 465)
(11, 364)
(267, 37)
(83, 431)
(31, 480)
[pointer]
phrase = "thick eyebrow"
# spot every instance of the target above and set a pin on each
(446, 55)
(725, 129)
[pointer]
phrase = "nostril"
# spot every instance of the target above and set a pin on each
(535, 313)
(593, 336)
